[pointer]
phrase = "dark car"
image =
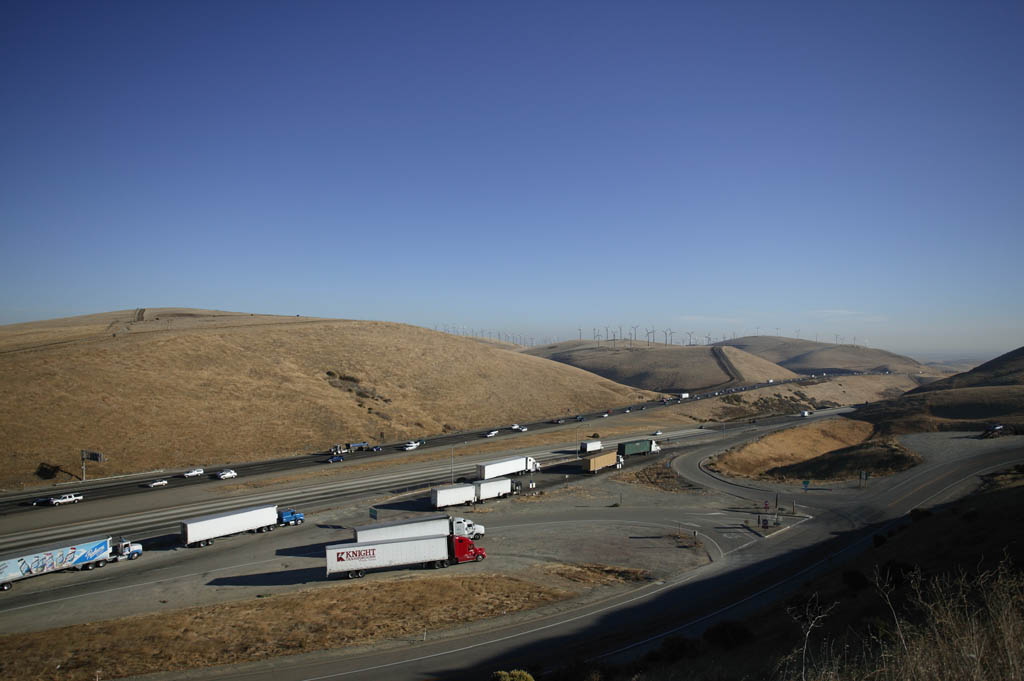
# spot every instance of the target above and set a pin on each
(41, 501)
(377, 448)
(558, 421)
(337, 458)
(579, 418)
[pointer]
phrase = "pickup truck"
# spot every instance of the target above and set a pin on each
(66, 499)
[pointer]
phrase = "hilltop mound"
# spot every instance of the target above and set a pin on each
(1005, 370)
(664, 368)
(180, 387)
(807, 357)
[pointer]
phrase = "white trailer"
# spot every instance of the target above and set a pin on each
(684, 396)
(452, 495)
(495, 488)
(424, 526)
(516, 466)
(590, 446)
(203, 530)
(355, 558)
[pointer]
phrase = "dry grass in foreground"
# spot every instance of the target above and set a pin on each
(659, 475)
(329, 617)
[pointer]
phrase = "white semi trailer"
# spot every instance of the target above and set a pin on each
(497, 469)
(423, 526)
(203, 530)
(452, 495)
(355, 558)
(495, 488)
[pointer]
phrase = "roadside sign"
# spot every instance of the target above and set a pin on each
(373, 513)
(807, 483)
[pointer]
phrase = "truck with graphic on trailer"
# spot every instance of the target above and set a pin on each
(85, 554)
(354, 559)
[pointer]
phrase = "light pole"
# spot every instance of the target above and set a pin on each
(453, 463)
(577, 442)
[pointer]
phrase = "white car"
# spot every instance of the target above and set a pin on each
(657, 432)
(523, 429)
(193, 473)
(515, 426)
(157, 483)
(490, 433)
(227, 474)
(410, 445)
(66, 499)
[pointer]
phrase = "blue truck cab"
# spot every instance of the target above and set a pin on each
(289, 516)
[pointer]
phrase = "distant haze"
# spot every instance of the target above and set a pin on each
(801, 169)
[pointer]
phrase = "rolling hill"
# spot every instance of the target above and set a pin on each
(663, 368)
(807, 357)
(164, 388)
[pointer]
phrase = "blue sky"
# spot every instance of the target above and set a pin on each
(719, 167)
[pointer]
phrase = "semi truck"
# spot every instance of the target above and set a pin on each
(638, 447)
(203, 530)
(590, 446)
(423, 526)
(77, 555)
(595, 462)
(498, 469)
(452, 495)
(496, 488)
(684, 396)
(355, 558)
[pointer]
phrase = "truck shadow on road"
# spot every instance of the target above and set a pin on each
(278, 578)
(421, 503)
(310, 550)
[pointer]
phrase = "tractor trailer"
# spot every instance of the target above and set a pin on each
(496, 488)
(78, 555)
(498, 469)
(355, 558)
(475, 492)
(424, 526)
(203, 530)
(638, 447)
(595, 462)
(590, 446)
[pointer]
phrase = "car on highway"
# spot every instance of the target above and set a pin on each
(337, 458)
(194, 473)
(490, 433)
(41, 501)
(66, 499)
(376, 448)
(226, 474)
(626, 410)
(557, 420)
(657, 432)
(580, 418)
(156, 483)
(413, 444)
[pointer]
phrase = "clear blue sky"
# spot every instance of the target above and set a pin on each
(717, 167)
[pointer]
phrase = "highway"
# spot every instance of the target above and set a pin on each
(743, 577)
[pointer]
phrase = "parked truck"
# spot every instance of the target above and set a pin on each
(496, 488)
(77, 555)
(595, 462)
(638, 447)
(423, 526)
(684, 396)
(354, 559)
(498, 469)
(203, 530)
(590, 446)
(452, 495)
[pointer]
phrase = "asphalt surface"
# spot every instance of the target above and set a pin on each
(748, 570)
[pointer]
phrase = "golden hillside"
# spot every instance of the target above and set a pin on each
(191, 386)
(664, 368)
(807, 357)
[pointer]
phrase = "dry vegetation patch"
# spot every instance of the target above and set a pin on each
(594, 574)
(331, 617)
(660, 476)
(791, 446)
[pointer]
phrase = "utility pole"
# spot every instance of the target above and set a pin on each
(690, 336)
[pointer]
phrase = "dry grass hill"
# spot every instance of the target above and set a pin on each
(992, 392)
(661, 367)
(808, 357)
(176, 387)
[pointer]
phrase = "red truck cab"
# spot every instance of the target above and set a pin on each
(464, 550)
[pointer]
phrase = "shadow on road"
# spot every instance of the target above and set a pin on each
(310, 549)
(279, 578)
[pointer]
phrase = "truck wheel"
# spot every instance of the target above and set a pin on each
(352, 574)
(133, 555)
(360, 573)
(299, 521)
(479, 557)
(476, 537)
(209, 542)
(6, 586)
(88, 566)
(101, 563)
(444, 563)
